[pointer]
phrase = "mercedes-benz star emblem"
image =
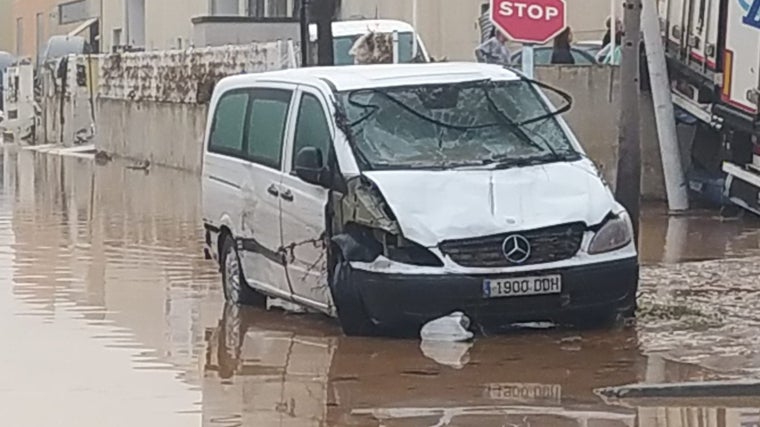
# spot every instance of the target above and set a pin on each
(516, 249)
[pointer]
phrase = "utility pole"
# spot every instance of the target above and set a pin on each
(323, 12)
(675, 180)
(305, 35)
(628, 188)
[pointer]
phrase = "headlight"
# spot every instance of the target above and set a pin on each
(616, 233)
(407, 252)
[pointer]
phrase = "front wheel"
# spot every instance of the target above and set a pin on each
(351, 312)
(236, 289)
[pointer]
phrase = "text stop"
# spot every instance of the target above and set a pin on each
(531, 11)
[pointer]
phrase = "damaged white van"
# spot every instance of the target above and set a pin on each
(391, 195)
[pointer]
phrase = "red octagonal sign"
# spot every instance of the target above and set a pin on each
(529, 21)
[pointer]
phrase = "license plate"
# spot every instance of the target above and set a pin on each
(522, 286)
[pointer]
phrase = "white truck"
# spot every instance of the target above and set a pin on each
(713, 50)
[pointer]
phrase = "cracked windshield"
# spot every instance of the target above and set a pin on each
(379, 213)
(477, 123)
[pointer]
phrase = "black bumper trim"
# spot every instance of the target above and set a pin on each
(394, 299)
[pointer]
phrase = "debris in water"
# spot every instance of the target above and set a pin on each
(285, 305)
(692, 389)
(452, 354)
(452, 328)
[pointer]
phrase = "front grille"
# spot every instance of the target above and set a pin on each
(547, 245)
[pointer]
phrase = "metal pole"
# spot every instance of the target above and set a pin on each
(675, 180)
(628, 185)
(414, 25)
(395, 47)
(305, 35)
(527, 60)
(613, 26)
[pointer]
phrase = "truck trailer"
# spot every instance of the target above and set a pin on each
(713, 53)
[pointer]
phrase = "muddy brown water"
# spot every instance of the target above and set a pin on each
(110, 316)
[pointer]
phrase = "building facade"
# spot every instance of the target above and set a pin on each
(167, 24)
(33, 22)
(6, 26)
(449, 27)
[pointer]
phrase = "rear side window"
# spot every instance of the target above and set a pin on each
(311, 128)
(229, 122)
(266, 126)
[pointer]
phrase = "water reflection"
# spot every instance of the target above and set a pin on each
(697, 236)
(115, 318)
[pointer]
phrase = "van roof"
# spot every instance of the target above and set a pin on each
(353, 77)
(362, 26)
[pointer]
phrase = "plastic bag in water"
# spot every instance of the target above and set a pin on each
(452, 328)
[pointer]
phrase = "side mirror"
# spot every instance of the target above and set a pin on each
(310, 166)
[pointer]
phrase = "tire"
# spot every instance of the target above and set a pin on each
(352, 315)
(236, 288)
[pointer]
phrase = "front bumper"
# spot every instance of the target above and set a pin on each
(396, 299)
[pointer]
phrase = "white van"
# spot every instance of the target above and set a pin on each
(391, 195)
(346, 33)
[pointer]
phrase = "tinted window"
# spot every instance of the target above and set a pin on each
(266, 131)
(229, 121)
(543, 56)
(312, 129)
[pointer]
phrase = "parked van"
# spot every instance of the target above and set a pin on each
(391, 195)
(346, 33)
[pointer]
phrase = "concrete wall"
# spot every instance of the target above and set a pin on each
(139, 119)
(152, 106)
(594, 119)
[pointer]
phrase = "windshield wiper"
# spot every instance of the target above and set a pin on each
(564, 95)
(517, 128)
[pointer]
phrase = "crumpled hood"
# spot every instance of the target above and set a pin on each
(435, 206)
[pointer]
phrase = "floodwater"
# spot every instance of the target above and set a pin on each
(110, 316)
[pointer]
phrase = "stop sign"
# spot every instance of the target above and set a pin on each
(529, 21)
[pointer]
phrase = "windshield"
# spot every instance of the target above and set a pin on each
(342, 46)
(454, 125)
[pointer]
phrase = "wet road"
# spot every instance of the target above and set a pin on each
(110, 316)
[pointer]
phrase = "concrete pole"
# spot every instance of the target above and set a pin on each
(675, 180)
(628, 188)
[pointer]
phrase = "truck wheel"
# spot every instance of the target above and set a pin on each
(236, 289)
(352, 316)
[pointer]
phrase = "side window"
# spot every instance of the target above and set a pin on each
(229, 121)
(266, 126)
(312, 129)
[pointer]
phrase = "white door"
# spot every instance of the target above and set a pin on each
(264, 138)
(304, 205)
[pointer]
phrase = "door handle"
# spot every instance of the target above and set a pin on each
(287, 196)
(273, 191)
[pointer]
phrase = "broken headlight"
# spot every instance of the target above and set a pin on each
(615, 233)
(365, 244)
(398, 249)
